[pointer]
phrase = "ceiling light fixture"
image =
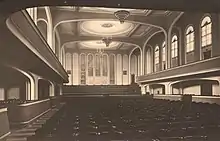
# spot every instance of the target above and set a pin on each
(122, 15)
(107, 41)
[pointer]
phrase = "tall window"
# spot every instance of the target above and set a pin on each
(164, 55)
(112, 69)
(174, 51)
(90, 65)
(105, 65)
(97, 65)
(83, 68)
(206, 38)
(190, 44)
(156, 58)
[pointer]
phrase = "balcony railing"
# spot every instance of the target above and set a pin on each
(199, 67)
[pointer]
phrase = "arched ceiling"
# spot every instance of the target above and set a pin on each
(82, 24)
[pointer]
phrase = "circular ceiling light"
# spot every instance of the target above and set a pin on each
(106, 28)
(98, 44)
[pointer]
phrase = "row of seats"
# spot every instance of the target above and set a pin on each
(136, 119)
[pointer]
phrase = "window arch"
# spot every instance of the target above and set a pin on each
(112, 68)
(105, 65)
(189, 44)
(156, 57)
(190, 41)
(206, 37)
(174, 47)
(164, 55)
(97, 65)
(90, 64)
(83, 69)
(174, 51)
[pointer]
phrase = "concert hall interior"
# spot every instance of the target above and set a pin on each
(109, 71)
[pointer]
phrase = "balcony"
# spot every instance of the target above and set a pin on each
(22, 26)
(196, 68)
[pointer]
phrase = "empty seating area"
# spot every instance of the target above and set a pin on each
(131, 118)
(102, 89)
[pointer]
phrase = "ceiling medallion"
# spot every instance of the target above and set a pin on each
(122, 15)
(107, 25)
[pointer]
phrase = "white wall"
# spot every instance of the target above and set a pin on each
(149, 62)
(192, 90)
(2, 94)
(13, 93)
(125, 68)
(175, 91)
(215, 89)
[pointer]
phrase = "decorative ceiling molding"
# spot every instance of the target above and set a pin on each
(106, 28)
(67, 16)
(65, 38)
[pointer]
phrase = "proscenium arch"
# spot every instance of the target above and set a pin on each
(129, 61)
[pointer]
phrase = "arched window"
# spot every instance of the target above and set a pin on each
(90, 65)
(164, 55)
(174, 51)
(83, 68)
(156, 58)
(206, 38)
(105, 65)
(112, 68)
(190, 44)
(189, 39)
(97, 65)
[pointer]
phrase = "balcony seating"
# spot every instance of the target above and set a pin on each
(136, 119)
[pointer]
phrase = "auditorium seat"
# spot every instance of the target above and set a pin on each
(125, 119)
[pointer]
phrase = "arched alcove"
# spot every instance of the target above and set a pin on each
(43, 89)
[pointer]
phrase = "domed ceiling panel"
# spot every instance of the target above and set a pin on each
(106, 28)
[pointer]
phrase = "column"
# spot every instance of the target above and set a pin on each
(168, 47)
(52, 89)
(168, 89)
(143, 90)
(35, 88)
